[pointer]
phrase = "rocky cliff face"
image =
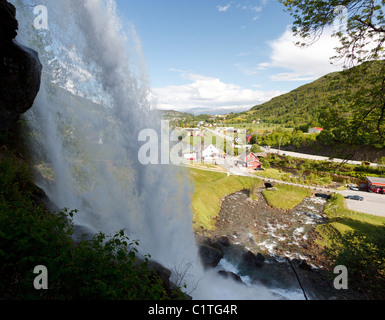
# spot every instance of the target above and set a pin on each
(20, 70)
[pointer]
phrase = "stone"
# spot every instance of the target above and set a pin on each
(210, 256)
(8, 21)
(304, 265)
(224, 241)
(229, 274)
(232, 275)
(253, 260)
(20, 70)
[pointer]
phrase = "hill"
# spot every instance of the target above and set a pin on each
(175, 115)
(305, 105)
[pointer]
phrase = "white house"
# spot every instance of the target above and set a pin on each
(315, 130)
(209, 152)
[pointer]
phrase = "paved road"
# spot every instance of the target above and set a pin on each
(226, 137)
(373, 203)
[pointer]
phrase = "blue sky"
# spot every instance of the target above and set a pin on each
(223, 55)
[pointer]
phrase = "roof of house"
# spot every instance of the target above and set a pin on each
(376, 180)
(204, 146)
(245, 154)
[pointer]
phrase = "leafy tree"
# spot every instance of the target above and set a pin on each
(381, 163)
(255, 148)
(360, 26)
(265, 163)
(253, 139)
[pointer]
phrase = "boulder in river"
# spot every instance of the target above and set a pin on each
(210, 256)
(229, 274)
(253, 260)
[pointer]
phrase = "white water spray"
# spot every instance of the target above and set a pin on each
(88, 151)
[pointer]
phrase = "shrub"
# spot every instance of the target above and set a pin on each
(105, 267)
(356, 241)
(364, 256)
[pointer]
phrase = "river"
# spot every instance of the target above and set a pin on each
(293, 267)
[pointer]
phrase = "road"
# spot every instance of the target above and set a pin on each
(226, 137)
(373, 203)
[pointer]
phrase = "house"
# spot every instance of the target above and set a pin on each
(209, 152)
(249, 160)
(315, 130)
(375, 184)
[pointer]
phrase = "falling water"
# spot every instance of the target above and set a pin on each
(94, 101)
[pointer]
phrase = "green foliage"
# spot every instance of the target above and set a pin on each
(364, 256)
(302, 106)
(265, 164)
(325, 168)
(356, 241)
(253, 139)
(105, 267)
(255, 148)
(209, 189)
(286, 196)
(280, 138)
(360, 121)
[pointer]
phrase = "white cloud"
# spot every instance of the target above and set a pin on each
(256, 9)
(209, 92)
(302, 63)
(292, 76)
(224, 8)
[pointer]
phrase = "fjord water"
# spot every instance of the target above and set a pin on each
(94, 101)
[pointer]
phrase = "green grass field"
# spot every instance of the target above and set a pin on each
(209, 189)
(286, 196)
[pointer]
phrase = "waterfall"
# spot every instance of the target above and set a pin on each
(93, 103)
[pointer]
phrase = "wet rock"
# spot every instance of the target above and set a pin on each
(253, 260)
(210, 256)
(302, 264)
(224, 241)
(8, 22)
(20, 70)
(232, 275)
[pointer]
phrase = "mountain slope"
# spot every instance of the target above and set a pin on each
(304, 105)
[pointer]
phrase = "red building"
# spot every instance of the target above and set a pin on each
(375, 184)
(249, 160)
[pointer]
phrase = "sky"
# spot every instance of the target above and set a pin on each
(222, 55)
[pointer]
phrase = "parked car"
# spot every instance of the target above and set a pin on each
(359, 198)
(354, 188)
